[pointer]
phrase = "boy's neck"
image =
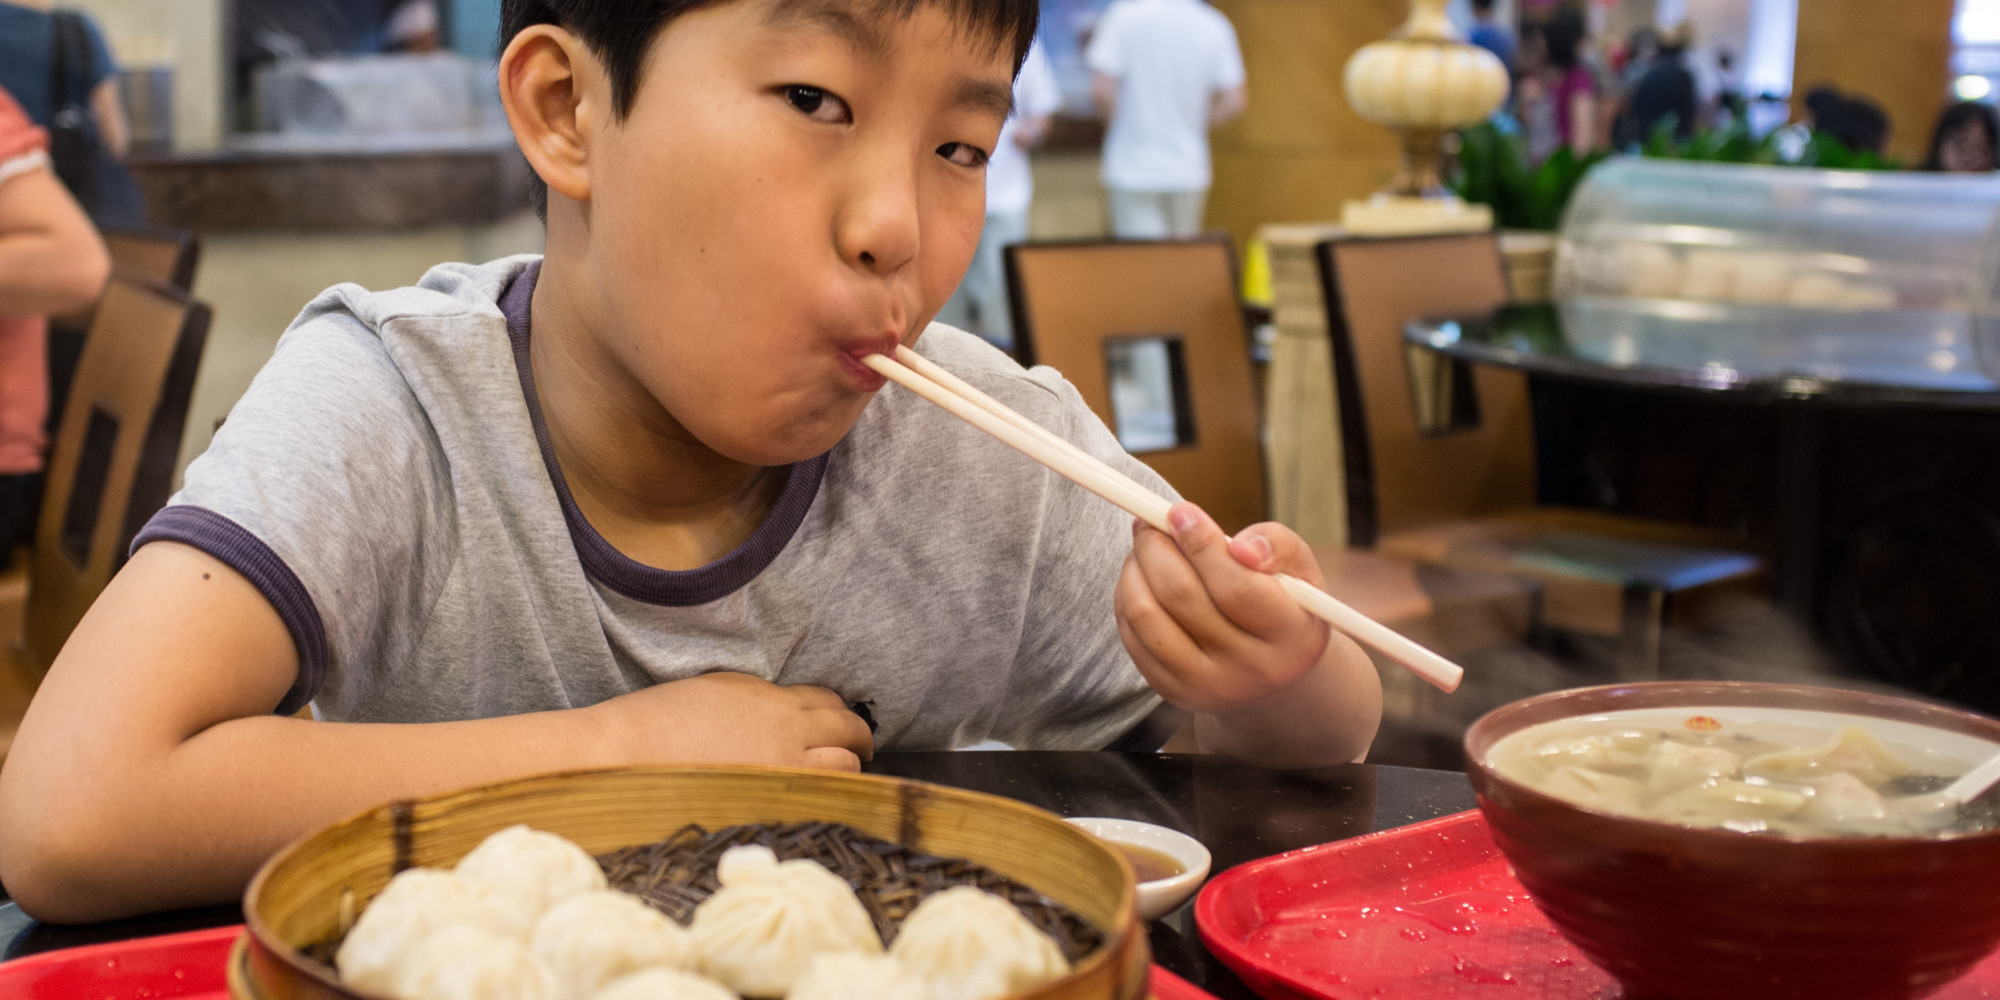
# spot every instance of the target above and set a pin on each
(654, 491)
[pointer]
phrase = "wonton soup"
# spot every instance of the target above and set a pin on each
(1784, 772)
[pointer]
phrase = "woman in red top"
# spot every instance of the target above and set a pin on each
(51, 260)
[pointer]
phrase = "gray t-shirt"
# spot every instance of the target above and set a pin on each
(387, 482)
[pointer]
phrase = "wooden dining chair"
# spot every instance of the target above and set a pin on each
(166, 256)
(1439, 456)
(1095, 309)
(111, 467)
(1076, 304)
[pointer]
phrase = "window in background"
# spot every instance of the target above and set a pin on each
(1975, 57)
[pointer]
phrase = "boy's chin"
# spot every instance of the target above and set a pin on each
(785, 448)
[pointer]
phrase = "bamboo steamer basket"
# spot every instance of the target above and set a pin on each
(310, 891)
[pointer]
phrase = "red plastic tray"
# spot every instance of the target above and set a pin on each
(190, 967)
(1430, 910)
(186, 966)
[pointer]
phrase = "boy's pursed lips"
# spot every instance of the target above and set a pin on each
(865, 378)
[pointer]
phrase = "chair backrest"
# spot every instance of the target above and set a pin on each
(1403, 470)
(1153, 314)
(113, 462)
(166, 256)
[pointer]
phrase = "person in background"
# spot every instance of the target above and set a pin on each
(1490, 34)
(1665, 91)
(1966, 140)
(1163, 72)
(413, 27)
(27, 50)
(980, 304)
(1852, 120)
(1730, 104)
(1533, 103)
(51, 260)
(1572, 89)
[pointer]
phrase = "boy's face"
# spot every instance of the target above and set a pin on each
(797, 185)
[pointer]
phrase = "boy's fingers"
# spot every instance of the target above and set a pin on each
(1173, 583)
(833, 759)
(1190, 680)
(1274, 548)
(813, 696)
(1249, 599)
(839, 727)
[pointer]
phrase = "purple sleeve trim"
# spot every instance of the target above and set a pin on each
(1152, 732)
(247, 554)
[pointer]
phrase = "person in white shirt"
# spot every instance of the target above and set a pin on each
(980, 303)
(1164, 72)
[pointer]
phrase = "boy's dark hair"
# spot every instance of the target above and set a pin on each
(619, 32)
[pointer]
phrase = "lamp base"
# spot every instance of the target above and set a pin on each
(1396, 215)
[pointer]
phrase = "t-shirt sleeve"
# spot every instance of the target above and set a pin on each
(23, 147)
(101, 64)
(325, 488)
(1040, 94)
(1072, 675)
(1228, 69)
(1105, 53)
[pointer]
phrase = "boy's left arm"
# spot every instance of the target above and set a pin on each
(1214, 633)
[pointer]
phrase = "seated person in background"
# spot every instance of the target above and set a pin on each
(1966, 140)
(51, 261)
(639, 500)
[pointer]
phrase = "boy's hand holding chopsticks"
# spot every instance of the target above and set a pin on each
(1205, 620)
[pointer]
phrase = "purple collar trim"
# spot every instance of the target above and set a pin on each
(636, 580)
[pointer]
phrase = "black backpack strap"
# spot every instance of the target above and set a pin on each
(65, 34)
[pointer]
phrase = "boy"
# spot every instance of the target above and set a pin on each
(632, 502)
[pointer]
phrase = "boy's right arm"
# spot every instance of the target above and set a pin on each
(149, 773)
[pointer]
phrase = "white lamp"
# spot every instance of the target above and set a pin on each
(1425, 82)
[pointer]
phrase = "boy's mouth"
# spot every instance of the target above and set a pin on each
(866, 379)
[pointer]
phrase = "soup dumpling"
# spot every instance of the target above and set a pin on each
(663, 984)
(470, 963)
(1616, 750)
(1673, 765)
(1841, 802)
(1853, 750)
(594, 937)
(969, 944)
(851, 975)
(1730, 803)
(759, 932)
(416, 904)
(1595, 789)
(531, 870)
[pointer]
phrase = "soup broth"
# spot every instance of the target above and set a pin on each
(1793, 774)
(1148, 864)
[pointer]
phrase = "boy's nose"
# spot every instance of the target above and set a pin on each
(878, 227)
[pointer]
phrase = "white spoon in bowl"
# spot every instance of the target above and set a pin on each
(1974, 783)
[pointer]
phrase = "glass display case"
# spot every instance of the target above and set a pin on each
(1773, 272)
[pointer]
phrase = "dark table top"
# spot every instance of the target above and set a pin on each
(1240, 812)
(1532, 338)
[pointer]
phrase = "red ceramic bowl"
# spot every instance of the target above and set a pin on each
(1677, 912)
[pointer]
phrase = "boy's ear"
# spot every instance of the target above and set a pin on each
(557, 98)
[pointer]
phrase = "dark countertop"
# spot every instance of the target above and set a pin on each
(1240, 812)
(1531, 337)
(337, 184)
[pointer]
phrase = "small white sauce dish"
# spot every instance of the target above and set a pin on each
(1159, 897)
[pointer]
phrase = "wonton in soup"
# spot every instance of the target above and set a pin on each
(1788, 778)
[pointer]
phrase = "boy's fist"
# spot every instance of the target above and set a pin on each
(1204, 619)
(734, 718)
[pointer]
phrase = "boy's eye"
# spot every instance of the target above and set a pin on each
(963, 155)
(817, 104)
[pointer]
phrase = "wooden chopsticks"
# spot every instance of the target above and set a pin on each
(918, 374)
